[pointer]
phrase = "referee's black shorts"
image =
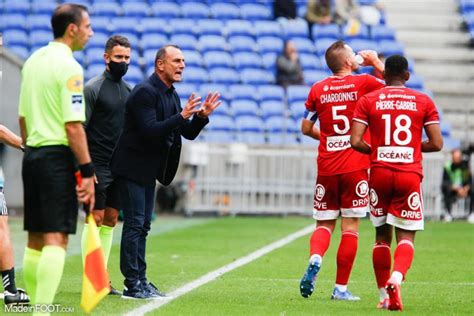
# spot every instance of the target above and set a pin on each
(49, 190)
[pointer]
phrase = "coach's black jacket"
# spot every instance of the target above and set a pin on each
(150, 144)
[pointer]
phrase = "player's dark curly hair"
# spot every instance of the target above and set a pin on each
(395, 66)
(116, 40)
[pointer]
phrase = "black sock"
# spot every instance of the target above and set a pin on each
(8, 278)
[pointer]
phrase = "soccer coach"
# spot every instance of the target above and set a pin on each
(149, 150)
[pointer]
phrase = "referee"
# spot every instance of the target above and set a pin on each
(105, 97)
(51, 114)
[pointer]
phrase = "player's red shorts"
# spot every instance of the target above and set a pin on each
(396, 199)
(346, 194)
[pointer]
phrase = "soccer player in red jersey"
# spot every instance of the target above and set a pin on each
(342, 183)
(395, 117)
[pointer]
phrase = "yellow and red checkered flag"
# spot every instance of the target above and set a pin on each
(95, 282)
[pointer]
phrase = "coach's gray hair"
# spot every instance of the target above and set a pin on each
(161, 53)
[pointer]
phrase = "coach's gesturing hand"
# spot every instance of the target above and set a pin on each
(190, 107)
(210, 104)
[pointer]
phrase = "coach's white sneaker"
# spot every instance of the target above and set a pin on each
(448, 218)
(470, 218)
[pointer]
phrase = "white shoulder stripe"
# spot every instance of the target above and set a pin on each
(431, 122)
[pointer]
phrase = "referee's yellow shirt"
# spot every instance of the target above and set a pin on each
(51, 95)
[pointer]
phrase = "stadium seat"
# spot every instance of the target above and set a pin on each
(185, 41)
(40, 38)
(272, 108)
(312, 76)
(255, 11)
(106, 9)
(225, 11)
(217, 136)
(269, 61)
(303, 45)
(242, 44)
(94, 55)
(153, 25)
(257, 76)
(101, 24)
(80, 57)
(250, 129)
(195, 10)
(239, 27)
(215, 59)
(40, 22)
(297, 109)
(186, 89)
(134, 75)
(221, 122)
(204, 90)
(267, 28)
(271, 93)
(153, 41)
(20, 50)
(281, 130)
(297, 93)
(247, 60)
(136, 9)
(244, 107)
(210, 27)
(222, 109)
(192, 58)
(309, 62)
(243, 92)
(45, 7)
(415, 82)
(165, 10)
(224, 75)
(296, 28)
(331, 31)
(182, 26)
(389, 48)
(382, 32)
(267, 44)
(358, 44)
(363, 32)
(195, 75)
(14, 22)
(98, 41)
(211, 43)
(92, 71)
(17, 38)
(125, 24)
(321, 44)
(16, 7)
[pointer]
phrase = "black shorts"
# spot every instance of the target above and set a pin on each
(106, 191)
(49, 190)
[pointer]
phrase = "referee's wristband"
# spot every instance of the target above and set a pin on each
(87, 170)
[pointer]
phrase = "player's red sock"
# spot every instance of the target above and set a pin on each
(403, 257)
(346, 255)
(320, 240)
(382, 260)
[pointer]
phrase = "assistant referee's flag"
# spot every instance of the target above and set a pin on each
(95, 282)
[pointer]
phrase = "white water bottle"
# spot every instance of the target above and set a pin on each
(359, 59)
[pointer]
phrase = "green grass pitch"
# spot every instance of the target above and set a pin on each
(440, 282)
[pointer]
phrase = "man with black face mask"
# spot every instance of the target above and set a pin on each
(105, 97)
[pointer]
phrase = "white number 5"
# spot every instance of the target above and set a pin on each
(344, 119)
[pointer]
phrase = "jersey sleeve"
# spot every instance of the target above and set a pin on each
(361, 113)
(91, 93)
(373, 83)
(431, 114)
(310, 104)
(71, 82)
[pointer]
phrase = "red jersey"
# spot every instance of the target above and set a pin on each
(333, 101)
(396, 117)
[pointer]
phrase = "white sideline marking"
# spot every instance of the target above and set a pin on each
(211, 276)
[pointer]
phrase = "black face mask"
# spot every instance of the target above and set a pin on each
(118, 70)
